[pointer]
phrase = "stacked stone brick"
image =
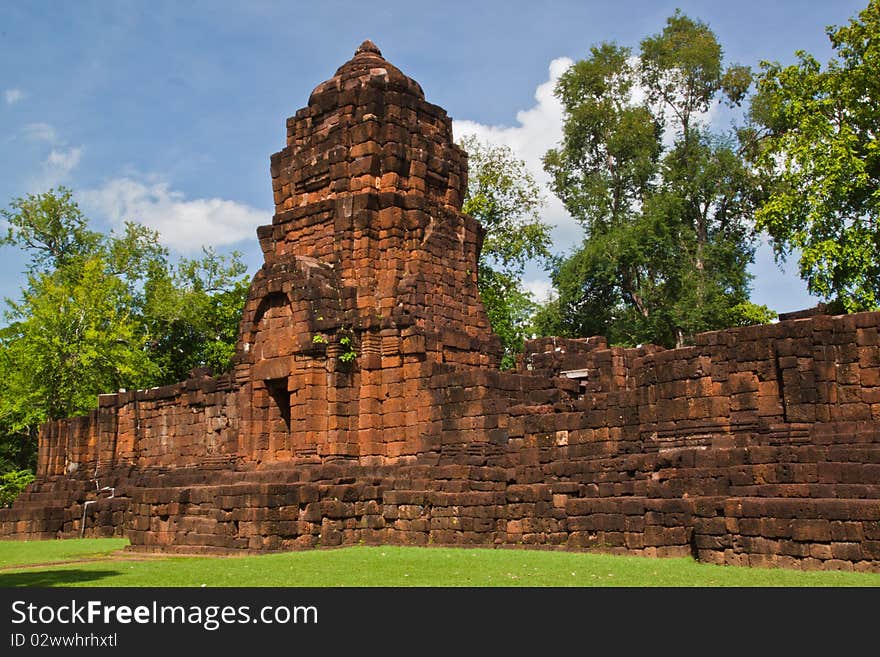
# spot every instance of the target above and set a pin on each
(365, 404)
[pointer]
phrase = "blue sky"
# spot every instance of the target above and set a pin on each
(167, 112)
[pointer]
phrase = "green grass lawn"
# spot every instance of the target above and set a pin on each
(21, 553)
(102, 562)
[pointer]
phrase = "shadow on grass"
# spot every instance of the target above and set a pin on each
(46, 578)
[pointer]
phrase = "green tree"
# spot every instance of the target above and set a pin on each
(101, 312)
(815, 136)
(50, 227)
(192, 313)
(73, 333)
(504, 197)
(72, 337)
(666, 220)
(12, 483)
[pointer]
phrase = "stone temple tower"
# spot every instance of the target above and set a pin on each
(370, 276)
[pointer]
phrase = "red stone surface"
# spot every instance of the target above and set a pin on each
(756, 446)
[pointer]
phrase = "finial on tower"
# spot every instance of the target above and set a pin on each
(368, 46)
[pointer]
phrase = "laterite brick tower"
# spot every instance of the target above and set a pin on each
(369, 276)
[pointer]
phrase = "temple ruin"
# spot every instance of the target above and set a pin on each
(365, 404)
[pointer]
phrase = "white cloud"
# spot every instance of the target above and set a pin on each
(56, 168)
(39, 132)
(541, 289)
(537, 129)
(63, 161)
(13, 96)
(185, 225)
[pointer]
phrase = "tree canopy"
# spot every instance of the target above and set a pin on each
(504, 197)
(100, 312)
(665, 203)
(815, 136)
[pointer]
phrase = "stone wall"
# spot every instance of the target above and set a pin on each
(365, 403)
(186, 424)
(687, 451)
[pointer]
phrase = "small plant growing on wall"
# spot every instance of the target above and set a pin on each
(348, 351)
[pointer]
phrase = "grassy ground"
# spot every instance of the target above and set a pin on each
(102, 562)
(20, 553)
